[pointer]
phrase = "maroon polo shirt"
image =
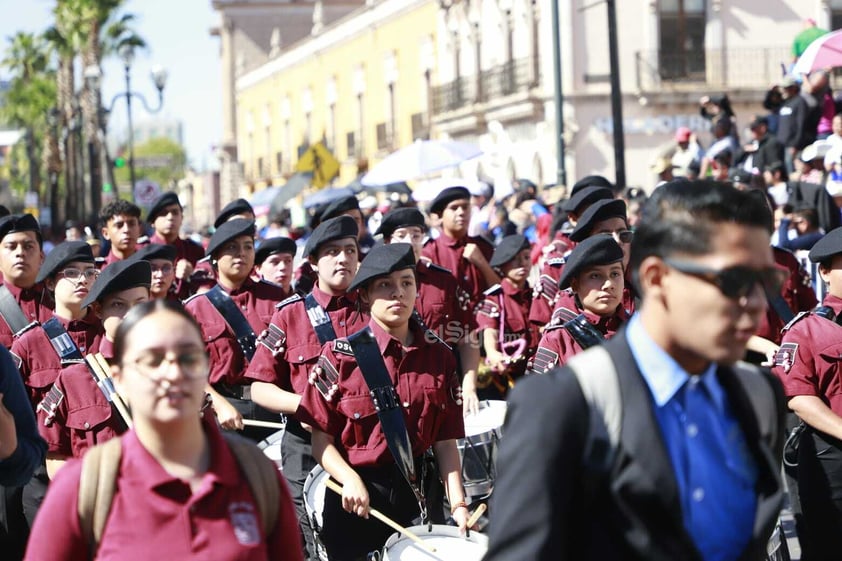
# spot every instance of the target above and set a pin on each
(256, 301)
(447, 252)
(427, 386)
(546, 289)
(517, 326)
(39, 362)
(559, 341)
(810, 356)
(290, 368)
(36, 303)
(439, 305)
(77, 416)
(156, 516)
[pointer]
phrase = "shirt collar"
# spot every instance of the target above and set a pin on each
(452, 242)
(664, 376)
(834, 302)
(384, 339)
(328, 302)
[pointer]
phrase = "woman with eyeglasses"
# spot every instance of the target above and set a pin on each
(507, 336)
(76, 414)
(162, 259)
(73, 331)
(179, 492)
(594, 278)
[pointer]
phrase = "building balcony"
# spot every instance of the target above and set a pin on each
(512, 77)
(749, 68)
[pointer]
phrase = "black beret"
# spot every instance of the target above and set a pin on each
(597, 212)
(447, 196)
(508, 249)
(738, 175)
(14, 223)
(272, 246)
(228, 231)
(62, 254)
(596, 250)
(591, 181)
(383, 260)
(401, 218)
(329, 230)
(165, 200)
(156, 251)
(339, 206)
(827, 247)
(119, 276)
(586, 196)
(240, 206)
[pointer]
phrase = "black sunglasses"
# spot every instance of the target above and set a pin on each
(735, 282)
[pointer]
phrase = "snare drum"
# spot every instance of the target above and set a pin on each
(478, 449)
(449, 545)
(314, 502)
(271, 446)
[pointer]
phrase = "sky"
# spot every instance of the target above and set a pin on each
(178, 38)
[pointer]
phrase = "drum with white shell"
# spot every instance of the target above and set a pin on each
(314, 502)
(446, 540)
(478, 449)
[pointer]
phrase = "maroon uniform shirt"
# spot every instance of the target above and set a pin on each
(810, 356)
(75, 414)
(558, 345)
(39, 363)
(184, 249)
(515, 305)
(447, 252)
(36, 303)
(797, 292)
(155, 515)
(442, 311)
(424, 377)
(290, 367)
(256, 301)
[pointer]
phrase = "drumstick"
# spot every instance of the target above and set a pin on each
(474, 517)
(101, 370)
(333, 486)
(266, 424)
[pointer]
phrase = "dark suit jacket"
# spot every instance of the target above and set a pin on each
(546, 508)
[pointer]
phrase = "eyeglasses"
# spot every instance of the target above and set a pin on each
(734, 282)
(163, 269)
(193, 364)
(73, 275)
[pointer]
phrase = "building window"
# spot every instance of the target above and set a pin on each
(279, 161)
(260, 170)
(351, 143)
(836, 14)
(382, 136)
(682, 38)
(420, 130)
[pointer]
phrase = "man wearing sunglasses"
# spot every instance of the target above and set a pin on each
(675, 455)
(808, 365)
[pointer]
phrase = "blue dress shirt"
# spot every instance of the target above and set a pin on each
(713, 467)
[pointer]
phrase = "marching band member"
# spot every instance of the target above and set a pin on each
(414, 385)
(292, 344)
(76, 415)
(273, 262)
(594, 276)
(231, 315)
(162, 260)
(166, 216)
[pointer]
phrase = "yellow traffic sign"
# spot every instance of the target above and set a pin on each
(320, 162)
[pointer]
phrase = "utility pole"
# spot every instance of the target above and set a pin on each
(561, 168)
(616, 97)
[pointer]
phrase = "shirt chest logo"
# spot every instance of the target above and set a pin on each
(244, 522)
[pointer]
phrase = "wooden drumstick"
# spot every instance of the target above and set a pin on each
(336, 488)
(477, 513)
(264, 424)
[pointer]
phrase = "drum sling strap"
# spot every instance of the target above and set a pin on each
(11, 312)
(578, 326)
(387, 405)
(61, 341)
(319, 320)
(235, 319)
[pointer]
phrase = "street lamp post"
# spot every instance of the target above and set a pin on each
(159, 78)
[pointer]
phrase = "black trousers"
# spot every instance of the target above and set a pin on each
(347, 537)
(33, 494)
(820, 491)
(297, 462)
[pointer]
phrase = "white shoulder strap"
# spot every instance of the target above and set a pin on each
(597, 376)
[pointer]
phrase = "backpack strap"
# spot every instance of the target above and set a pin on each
(262, 477)
(597, 376)
(97, 483)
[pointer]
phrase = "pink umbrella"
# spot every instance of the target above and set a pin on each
(824, 52)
